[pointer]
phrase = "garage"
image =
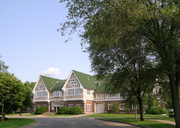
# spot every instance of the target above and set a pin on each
(99, 108)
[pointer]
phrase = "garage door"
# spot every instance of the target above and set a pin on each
(99, 108)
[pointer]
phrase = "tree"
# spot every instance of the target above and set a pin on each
(12, 93)
(28, 88)
(157, 21)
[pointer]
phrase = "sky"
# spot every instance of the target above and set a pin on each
(30, 44)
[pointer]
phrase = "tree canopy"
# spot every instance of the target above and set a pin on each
(114, 22)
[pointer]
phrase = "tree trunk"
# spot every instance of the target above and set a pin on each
(2, 116)
(175, 99)
(136, 111)
(141, 109)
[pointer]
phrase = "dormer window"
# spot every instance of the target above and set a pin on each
(40, 86)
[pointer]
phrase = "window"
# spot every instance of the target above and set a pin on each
(43, 94)
(56, 93)
(88, 92)
(70, 91)
(28, 108)
(38, 106)
(77, 91)
(98, 95)
(70, 106)
(88, 107)
(44, 105)
(38, 94)
(110, 95)
(121, 106)
(109, 106)
(73, 82)
(79, 105)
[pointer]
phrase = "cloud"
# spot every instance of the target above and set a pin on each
(34, 67)
(51, 72)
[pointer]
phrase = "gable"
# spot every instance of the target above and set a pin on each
(72, 82)
(40, 85)
(86, 80)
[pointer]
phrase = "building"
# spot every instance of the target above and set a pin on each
(79, 89)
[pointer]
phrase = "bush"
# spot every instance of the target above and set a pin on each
(63, 110)
(76, 110)
(41, 110)
(114, 107)
(127, 110)
(157, 110)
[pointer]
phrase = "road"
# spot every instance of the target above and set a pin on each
(78, 122)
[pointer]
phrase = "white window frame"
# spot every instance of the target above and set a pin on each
(88, 92)
(43, 95)
(88, 107)
(121, 108)
(37, 94)
(110, 95)
(56, 93)
(70, 90)
(70, 105)
(77, 90)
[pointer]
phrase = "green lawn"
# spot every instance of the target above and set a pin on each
(169, 119)
(12, 114)
(126, 115)
(148, 123)
(16, 122)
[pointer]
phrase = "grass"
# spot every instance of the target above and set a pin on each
(12, 114)
(126, 115)
(148, 123)
(16, 122)
(169, 119)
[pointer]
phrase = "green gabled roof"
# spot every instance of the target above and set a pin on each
(58, 86)
(100, 87)
(86, 80)
(48, 81)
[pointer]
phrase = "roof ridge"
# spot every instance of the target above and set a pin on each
(53, 86)
(50, 77)
(82, 73)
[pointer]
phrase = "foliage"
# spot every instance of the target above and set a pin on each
(157, 110)
(110, 24)
(127, 110)
(114, 107)
(63, 110)
(12, 93)
(41, 110)
(76, 110)
(28, 88)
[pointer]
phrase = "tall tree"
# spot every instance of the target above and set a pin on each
(12, 93)
(155, 20)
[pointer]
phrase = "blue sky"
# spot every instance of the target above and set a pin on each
(30, 44)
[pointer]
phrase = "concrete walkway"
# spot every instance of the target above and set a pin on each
(165, 121)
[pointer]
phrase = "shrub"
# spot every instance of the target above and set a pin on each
(114, 107)
(63, 110)
(41, 110)
(157, 110)
(127, 110)
(76, 110)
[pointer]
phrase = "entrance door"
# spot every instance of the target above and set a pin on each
(99, 108)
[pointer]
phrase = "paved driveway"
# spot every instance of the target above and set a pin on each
(77, 122)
